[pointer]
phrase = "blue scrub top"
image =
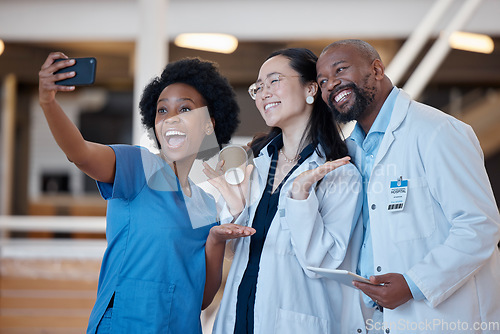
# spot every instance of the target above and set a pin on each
(155, 260)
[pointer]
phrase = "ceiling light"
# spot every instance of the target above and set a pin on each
(471, 42)
(222, 43)
(2, 47)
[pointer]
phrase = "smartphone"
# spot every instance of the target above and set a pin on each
(85, 72)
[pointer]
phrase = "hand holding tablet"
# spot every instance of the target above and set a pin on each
(342, 276)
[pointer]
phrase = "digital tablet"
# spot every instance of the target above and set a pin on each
(341, 276)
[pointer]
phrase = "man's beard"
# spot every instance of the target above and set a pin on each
(362, 100)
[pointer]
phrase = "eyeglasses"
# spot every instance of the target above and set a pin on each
(272, 82)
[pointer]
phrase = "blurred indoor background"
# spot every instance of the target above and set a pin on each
(51, 215)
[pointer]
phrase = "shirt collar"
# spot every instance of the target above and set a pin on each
(381, 122)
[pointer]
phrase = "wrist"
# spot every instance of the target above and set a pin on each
(47, 102)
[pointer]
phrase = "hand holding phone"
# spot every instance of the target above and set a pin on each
(84, 69)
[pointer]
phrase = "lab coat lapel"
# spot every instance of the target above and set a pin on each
(398, 115)
(262, 164)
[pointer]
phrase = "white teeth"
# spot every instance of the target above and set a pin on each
(341, 95)
(270, 105)
(174, 133)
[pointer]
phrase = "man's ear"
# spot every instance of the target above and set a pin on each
(378, 69)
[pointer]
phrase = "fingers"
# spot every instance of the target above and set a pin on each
(319, 172)
(380, 279)
(375, 292)
(393, 292)
(302, 184)
(232, 231)
(47, 78)
(214, 178)
(213, 173)
(367, 288)
(219, 165)
(52, 57)
(239, 230)
(51, 65)
(49, 82)
(209, 171)
(332, 165)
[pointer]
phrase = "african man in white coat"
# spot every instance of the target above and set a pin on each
(431, 224)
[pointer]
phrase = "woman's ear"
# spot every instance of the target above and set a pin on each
(209, 128)
(312, 88)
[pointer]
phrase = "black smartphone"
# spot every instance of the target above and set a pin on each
(85, 72)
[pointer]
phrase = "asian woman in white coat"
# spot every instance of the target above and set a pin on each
(304, 203)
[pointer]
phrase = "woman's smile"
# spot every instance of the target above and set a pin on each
(271, 105)
(175, 139)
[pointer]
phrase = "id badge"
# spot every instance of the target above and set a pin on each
(397, 195)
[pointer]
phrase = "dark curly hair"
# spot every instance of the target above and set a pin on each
(205, 77)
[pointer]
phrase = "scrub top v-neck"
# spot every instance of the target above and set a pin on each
(264, 215)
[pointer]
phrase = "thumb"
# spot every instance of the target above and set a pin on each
(380, 279)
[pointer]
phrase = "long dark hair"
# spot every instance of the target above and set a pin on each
(321, 128)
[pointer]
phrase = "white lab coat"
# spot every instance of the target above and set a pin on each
(312, 232)
(446, 237)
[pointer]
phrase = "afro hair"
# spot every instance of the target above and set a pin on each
(205, 77)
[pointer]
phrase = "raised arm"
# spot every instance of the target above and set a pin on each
(95, 160)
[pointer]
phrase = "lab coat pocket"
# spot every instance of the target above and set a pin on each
(416, 220)
(142, 306)
(291, 322)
